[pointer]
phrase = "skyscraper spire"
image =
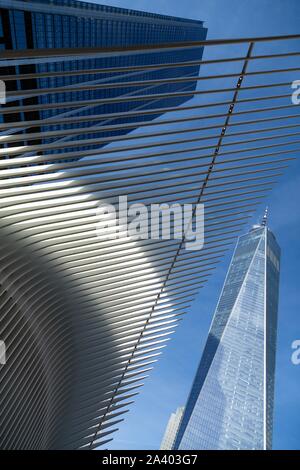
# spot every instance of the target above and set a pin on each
(231, 402)
(265, 217)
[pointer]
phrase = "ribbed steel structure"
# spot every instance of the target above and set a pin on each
(84, 319)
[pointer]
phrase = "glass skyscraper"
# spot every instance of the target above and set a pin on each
(171, 429)
(73, 24)
(230, 405)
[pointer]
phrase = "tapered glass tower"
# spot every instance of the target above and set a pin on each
(231, 402)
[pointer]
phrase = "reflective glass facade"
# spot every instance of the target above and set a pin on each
(70, 24)
(171, 429)
(231, 402)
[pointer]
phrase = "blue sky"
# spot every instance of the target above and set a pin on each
(171, 380)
